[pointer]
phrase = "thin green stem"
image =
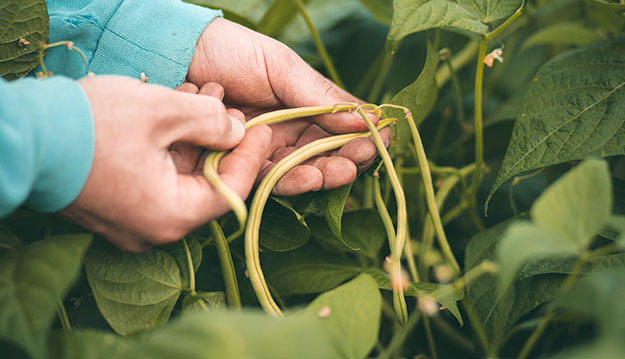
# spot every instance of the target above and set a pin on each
(63, 318)
(506, 23)
(227, 266)
(367, 196)
(458, 61)
(334, 75)
(191, 267)
(476, 324)
(457, 92)
(430, 337)
(394, 347)
(385, 67)
(479, 140)
(451, 334)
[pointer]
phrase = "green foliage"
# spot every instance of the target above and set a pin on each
(21, 19)
(135, 291)
(557, 236)
(32, 281)
(420, 97)
(572, 111)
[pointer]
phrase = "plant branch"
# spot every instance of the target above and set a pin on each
(227, 266)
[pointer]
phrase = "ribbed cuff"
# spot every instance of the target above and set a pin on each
(156, 37)
(66, 142)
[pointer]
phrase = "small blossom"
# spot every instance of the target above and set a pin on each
(400, 281)
(144, 78)
(496, 54)
(324, 312)
(69, 45)
(247, 274)
(23, 42)
(444, 53)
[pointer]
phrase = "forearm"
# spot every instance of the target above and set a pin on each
(46, 143)
(127, 37)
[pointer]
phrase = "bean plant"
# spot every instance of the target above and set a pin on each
(492, 226)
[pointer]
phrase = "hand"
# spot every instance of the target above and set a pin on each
(135, 195)
(260, 74)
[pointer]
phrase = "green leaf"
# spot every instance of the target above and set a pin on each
(569, 33)
(247, 334)
(362, 229)
(27, 19)
(446, 295)
(204, 301)
(278, 17)
(328, 204)
(573, 110)
(307, 270)
(353, 318)
(282, 229)
(488, 11)
(8, 239)
(410, 16)
(419, 97)
(32, 281)
(381, 10)
(524, 242)
(177, 251)
(606, 4)
(133, 291)
(578, 205)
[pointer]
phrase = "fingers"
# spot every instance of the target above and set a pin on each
(362, 151)
(197, 198)
(198, 120)
(188, 87)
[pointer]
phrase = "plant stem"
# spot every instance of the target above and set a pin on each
(227, 266)
(392, 351)
(506, 23)
(385, 67)
(367, 196)
(430, 337)
(334, 75)
(63, 318)
(457, 92)
(452, 335)
(191, 267)
(475, 324)
(479, 140)
(458, 61)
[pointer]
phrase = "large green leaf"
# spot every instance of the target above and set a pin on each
(307, 270)
(353, 318)
(446, 295)
(328, 204)
(362, 230)
(410, 16)
(578, 205)
(381, 10)
(32, 281)
(607, 4)
(282, 229)
(569, 33)
(243, 335)
(488, 10)
(26, 19)
(133, 291)
(573, 110)
(203, 302)
(419, 97)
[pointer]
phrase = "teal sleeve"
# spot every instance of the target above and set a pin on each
(127, 37)
(46, 143)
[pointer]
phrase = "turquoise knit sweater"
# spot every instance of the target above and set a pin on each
(46, 127)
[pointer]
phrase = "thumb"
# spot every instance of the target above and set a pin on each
(201, 121)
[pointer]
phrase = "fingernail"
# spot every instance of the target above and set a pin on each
(238, 131)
